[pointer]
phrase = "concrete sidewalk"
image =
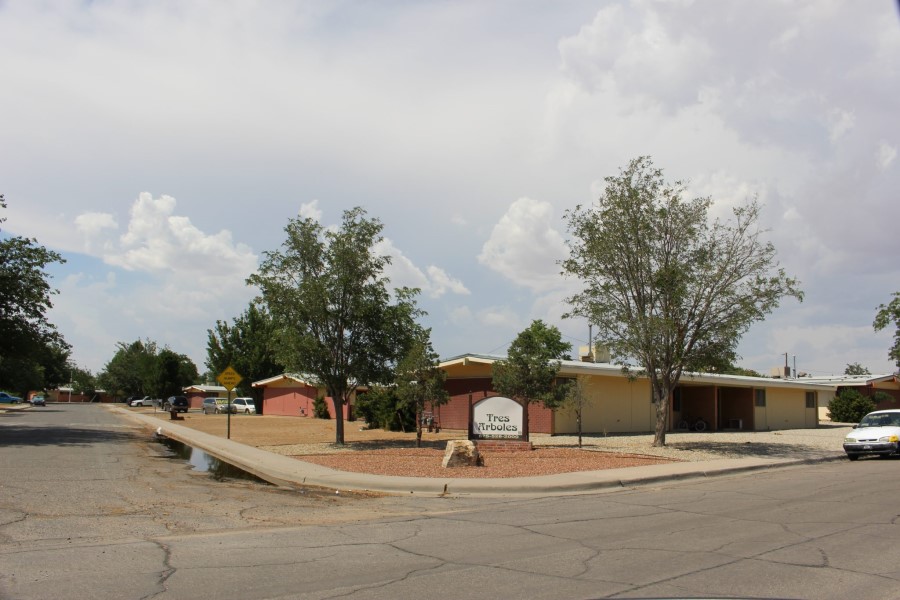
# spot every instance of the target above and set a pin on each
(290, 472)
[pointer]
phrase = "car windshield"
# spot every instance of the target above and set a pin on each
(882, 420)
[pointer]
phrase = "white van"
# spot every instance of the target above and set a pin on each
(244, 405)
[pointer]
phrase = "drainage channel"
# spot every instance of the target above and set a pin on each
(207, 463)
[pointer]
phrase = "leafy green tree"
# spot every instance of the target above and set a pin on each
(32, 347)
(887, 315)
(83, 382)
(419, 381)
(142, 369)
(334, 316)
(382, 409)
(666, 288)
(173, 372)
(856, 369)
(531, 366)
(248, 345)
(849, 406)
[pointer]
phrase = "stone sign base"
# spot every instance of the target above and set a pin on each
(503, 446)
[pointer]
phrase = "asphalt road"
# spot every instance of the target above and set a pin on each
(91, 507)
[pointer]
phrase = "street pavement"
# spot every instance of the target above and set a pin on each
(289, 472)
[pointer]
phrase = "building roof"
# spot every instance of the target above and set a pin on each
(853, 380)
(204, 388)
(577, 367)
(304, 379)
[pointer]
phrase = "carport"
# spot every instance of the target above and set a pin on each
(721, 408)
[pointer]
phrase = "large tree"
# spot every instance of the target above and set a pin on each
(666, 287)
(248, 345)
(889, 314)
(32, 348)
(141, 368)
(529, 372)
(335, 318)
(419, 380)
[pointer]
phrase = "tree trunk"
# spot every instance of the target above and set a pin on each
(418, 428)
(338, 402)
(578, 419)
(661, 399)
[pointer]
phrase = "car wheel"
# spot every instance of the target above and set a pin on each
(853, 456)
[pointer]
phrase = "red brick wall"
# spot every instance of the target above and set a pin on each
(455, 414)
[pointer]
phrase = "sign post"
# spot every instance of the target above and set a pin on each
(229, 378)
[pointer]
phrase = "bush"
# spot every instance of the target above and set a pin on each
(849, 406)
(320, 408)
(381, 409)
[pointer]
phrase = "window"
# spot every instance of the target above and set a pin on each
(676, 400)
(761, 398)
(810, 399)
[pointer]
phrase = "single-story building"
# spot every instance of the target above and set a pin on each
(867, 385)
(196, 394)
(619, 403)
(295, 396)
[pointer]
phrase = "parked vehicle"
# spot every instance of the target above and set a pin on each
(9, 399)
(216, 406)
(145, 401)
(245, 405)
(878, 433)
(176, 403)
(38, 401)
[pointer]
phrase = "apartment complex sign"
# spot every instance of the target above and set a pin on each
(498, 418)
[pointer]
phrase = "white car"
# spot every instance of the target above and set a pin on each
(244, 405)
(877, 433)
(145, 401)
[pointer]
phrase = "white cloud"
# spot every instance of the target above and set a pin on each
(434, 281)
(89, 224)
(886, 155)
(525, 246)
(311, 210)
(158, 240)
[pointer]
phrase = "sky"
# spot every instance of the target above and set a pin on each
(162, 147)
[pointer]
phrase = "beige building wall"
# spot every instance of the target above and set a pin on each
(613, 405)
(785, 409)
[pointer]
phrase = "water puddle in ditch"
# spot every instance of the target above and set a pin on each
(206, 463)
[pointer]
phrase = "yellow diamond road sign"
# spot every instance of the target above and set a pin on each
(229, 378)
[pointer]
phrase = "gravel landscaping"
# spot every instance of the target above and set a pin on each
(394, 453)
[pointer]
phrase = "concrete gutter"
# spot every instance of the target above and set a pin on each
(293, 473)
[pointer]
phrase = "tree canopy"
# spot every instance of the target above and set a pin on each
(889, 314)
(33, 354)
(335, 318)
(141, 368)
(665, 287)
(248, 345)
(532, 363)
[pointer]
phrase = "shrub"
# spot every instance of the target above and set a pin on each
(320, 408)
(381, 409)
(849, 406)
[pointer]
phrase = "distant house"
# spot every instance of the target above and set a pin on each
(618, 403)
(867, 385)
(295, 396)
(197, 393)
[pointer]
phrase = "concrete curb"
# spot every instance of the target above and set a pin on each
(292, 473)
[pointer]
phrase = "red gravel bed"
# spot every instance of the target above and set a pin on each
(426, 462)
